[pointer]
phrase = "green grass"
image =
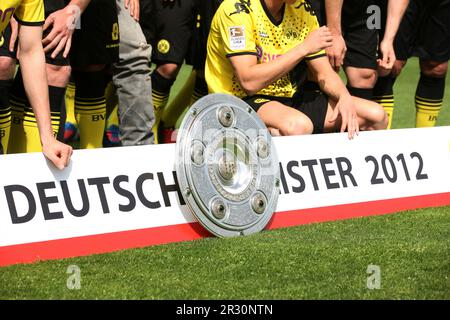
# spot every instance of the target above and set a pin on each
(317, 261)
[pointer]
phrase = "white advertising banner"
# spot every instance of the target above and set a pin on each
(111, 199)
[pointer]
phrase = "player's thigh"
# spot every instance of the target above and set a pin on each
(361, 77)
(287, 120)
(168, 70)
(370, 115)
(398, 67)
(435, 69)
(7, 58)
(58, 75)
(7, 67)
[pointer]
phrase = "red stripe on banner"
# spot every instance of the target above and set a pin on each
(355, 210)
(99, 243)
(109, 242)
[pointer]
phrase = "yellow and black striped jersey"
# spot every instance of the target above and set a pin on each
(27, 12)
(246, 27)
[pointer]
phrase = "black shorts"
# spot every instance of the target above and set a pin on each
(311, 101)
(4, 44)
(97, 42)
(168, 28)
(147, 10)
(206, 11)
(319, 10)
(425, 31)
(362, 42)
(50, 7)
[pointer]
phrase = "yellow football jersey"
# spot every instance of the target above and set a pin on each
(247, 27)
(27, 12)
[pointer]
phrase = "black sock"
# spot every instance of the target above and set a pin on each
(160, 95)
(160, 90)
(90, 107)
(58, 110)
(5, 112)
(161, 83)
(384, 86)
(200, 89)
(19, 102)
(429, 100)
(430, 87)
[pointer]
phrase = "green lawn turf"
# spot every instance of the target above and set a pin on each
(327, 260)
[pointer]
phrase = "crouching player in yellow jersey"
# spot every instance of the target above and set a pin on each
(30, 15)
(263, 50)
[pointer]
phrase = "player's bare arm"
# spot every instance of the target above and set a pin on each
(335, 53)
(253, 76)
(396, 10)
(330, 83)
(32, 63)
(63, 24)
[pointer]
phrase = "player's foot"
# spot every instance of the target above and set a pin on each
(167, 135)
(70, 132)
(111, 138)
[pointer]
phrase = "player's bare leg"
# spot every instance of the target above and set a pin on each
(7, 70)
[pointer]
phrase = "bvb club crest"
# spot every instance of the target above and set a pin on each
(163, 46)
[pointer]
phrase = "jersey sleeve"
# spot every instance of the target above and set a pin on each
(30, 13)
(312, 24)
(236, 30)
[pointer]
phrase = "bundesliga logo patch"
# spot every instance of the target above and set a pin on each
(237, 37)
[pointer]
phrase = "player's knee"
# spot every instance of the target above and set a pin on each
(58, 75)
(364, 78)
(168, 70)
(298, 126)
(384, 123)
(378, 116)
(397, 68)
(7, 68)
(434, 69)
(65, 71)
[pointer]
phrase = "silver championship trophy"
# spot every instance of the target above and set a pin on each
(227, 166)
